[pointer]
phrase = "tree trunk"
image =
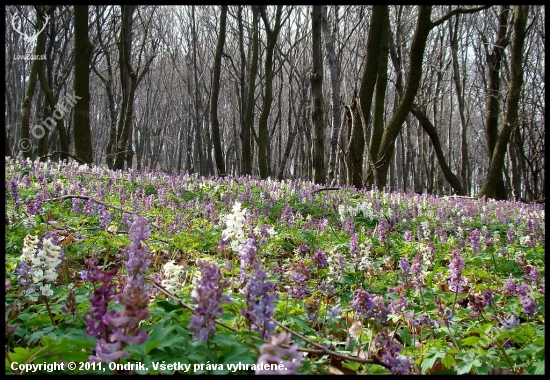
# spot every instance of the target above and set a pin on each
(361, 115)
(429, 128)
(127, 76)
(489, 188)
(464, 164)
(424, 25)
(83, 48)
(494, 62)
(215, 95)
(379, 99)
(334, 75)
(317, 118)
(272, 34)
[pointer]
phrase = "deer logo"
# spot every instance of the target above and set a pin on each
(30, 40)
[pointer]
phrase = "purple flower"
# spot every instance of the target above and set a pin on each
(531, 274)
(424, 319)
(456, 280)
(354, 245)
(368, 306)
(259, 294)
(278, 360)
(123, 326)
(510, 287)
(100, 299)
(510, 322)
(137, 261)
(260, 298)
(320, 258)
(408, 236)
(248, 255)
(529, 305)
(474, 239)
(478, 304)
(104, 217)
(416, 270)
(405, 266)
(299, 275)
(209, 298)
(76, 206)
(389, 354)
(14, 190)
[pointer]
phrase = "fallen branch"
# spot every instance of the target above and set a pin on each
(319, 348)
(65, 153)
(87, 197)
(325, 189)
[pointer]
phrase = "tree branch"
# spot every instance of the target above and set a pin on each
(459, 11)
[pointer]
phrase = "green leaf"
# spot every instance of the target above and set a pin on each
(463, 368)
(157, 337)
(470, 341)
(404, 333)
(448, 361)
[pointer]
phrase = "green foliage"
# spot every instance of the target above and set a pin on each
(188, 227)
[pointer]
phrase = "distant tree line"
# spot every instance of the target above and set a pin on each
(438, 99)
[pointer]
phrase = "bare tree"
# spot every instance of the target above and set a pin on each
(489, 188)
(83, 48)
(215, 94)
(318, 147)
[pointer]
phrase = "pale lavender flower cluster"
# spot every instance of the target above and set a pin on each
(368, 305)
(416, 270)
(209, 298)
(405, 266)
(408, 236)
(278, 360)
(299, 274)
(522, 291)
(456, 280)
(259, 294)
(474, 239)
(137, 261)
(14, 190)
(531, 274)
(104, 217)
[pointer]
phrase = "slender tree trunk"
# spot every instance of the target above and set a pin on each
(250, 103)
(334, 75)
(379, 99)
(357, 136)
(272, 34)
(317, 117)
(200, 163)
(127, 77)
(215, 94)
(429, 128)
(489, 188)
(83, 49)
(464, 164)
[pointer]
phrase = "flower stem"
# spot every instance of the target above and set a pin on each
(49, 309)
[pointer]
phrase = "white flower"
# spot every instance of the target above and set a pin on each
(29, 248)
(525, 241)
(234, 224)
(172, 276)
(45, 289)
